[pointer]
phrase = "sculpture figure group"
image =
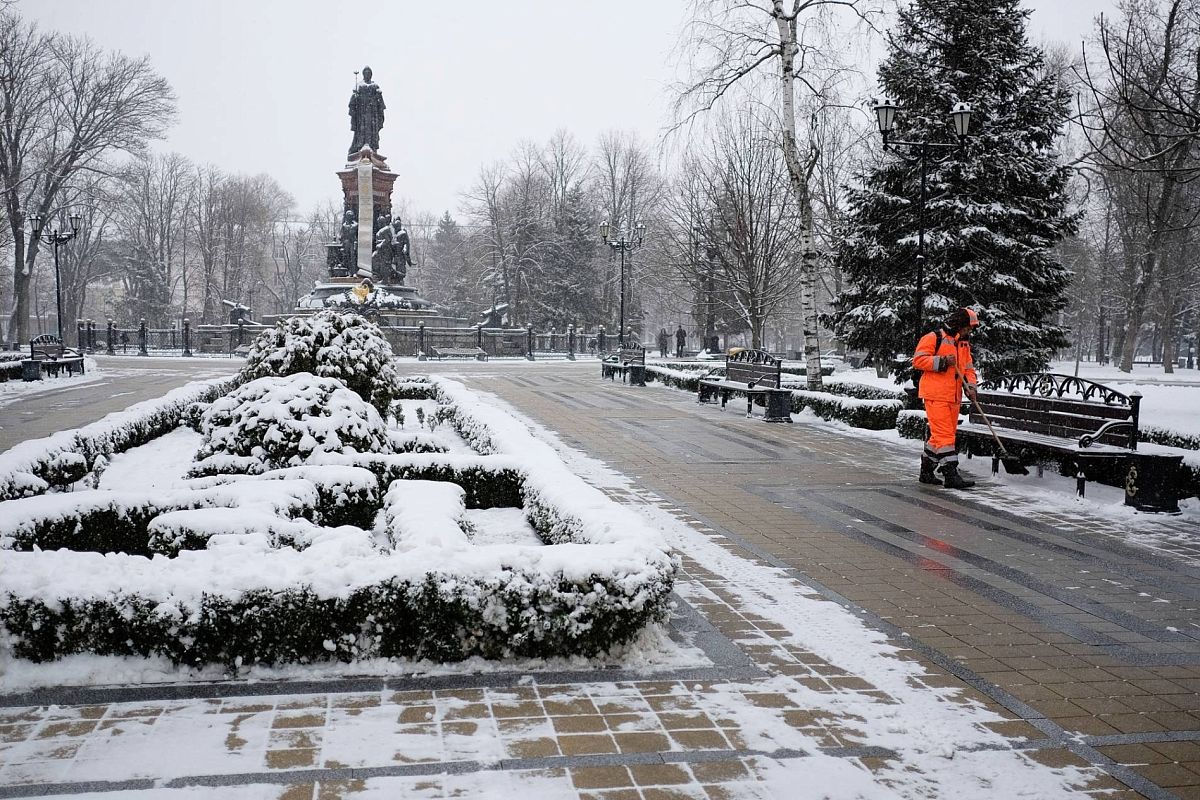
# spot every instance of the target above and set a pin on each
(393, 252)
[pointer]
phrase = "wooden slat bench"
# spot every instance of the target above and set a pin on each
(1090, 430)
(756, 374)
(52, 357)
(477, 353)
(630, 361)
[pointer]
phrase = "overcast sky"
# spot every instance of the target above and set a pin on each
(263, 84)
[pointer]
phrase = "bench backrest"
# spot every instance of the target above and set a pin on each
(47, 345)
(1058, 405)
(632, 354)
(754, 366)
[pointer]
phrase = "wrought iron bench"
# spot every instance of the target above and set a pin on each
(756, 374)
(477, 353)
(630, 361)
(1090, 430)
(46, 350)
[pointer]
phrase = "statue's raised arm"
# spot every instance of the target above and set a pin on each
(366, 113)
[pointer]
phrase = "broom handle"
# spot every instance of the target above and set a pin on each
(962, 380)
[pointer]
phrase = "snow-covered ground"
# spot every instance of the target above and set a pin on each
(942, 742)
(13, 390)
(162, 464)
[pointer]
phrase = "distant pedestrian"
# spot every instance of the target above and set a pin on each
(664, 341)
(680, 340)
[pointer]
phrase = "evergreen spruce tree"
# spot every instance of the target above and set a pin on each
(570, 288)
(996, 207)
(449, 279)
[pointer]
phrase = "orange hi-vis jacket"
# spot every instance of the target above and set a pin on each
(939, 380)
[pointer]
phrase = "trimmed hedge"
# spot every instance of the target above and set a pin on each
(120, 522)
(515, 613)
(1168, 438)
(34, 467)
(862, 391)
(688, 380)
(327, 593)
(873, 415)
(912, 425)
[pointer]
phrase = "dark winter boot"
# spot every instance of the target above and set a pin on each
(953, 479)
(927, 473)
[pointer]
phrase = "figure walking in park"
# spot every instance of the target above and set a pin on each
(663, 342)
(366, 113)
(680, 339)
(943, 357)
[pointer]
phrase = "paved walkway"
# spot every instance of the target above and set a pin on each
(1066, 644)
(54, 404)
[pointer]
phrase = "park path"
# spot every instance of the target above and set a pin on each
(1053, 613)
(31, 412)
(1067, 645)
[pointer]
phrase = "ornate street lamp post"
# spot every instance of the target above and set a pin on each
(918, 153)
(56, 238)
(623, 245)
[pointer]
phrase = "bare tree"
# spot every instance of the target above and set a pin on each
(1143, 128)
(66, 104)
(155, 201)
(753, 235)
(626, 187)
(735, 43)
(90, 257)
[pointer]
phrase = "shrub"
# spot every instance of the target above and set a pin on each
(688, 380)
(284, 422)
(874, 415)
(912, 425)
(862, 391)
(1168, 438)
(329, 344)
(33, 467)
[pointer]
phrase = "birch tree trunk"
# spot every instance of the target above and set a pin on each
(798, 174)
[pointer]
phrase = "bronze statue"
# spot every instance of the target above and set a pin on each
(349, 241)
(366, 113)
(392, 256)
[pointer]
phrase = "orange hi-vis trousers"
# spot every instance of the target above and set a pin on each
(943, 428)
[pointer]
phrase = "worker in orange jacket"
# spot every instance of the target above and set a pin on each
(944, 358)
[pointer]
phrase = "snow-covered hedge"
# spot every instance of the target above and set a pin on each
(1168, 438)
(280, 583)
(285, 422)
(912, 425)
(120, 522)
(688, 380)
(874, 415)
(863, 391)
(57, 461)
(330, 344)
(10, 370)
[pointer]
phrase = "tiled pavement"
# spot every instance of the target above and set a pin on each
(1086, 646)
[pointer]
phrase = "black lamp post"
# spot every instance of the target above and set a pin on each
(56, 238)
(918, 152)
(704, 245)
(623, 246)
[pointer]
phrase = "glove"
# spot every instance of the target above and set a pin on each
(943, 363)
(971, 391)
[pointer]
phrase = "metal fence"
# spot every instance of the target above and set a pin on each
(495, 342)
(185, 340)
(420, 340)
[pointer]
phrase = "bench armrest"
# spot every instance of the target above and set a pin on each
(1088, 439)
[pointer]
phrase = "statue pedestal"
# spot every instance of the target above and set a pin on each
(367, 190)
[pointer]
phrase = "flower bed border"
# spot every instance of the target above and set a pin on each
(607, 577)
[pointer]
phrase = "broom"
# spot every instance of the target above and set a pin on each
(1012, 464)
